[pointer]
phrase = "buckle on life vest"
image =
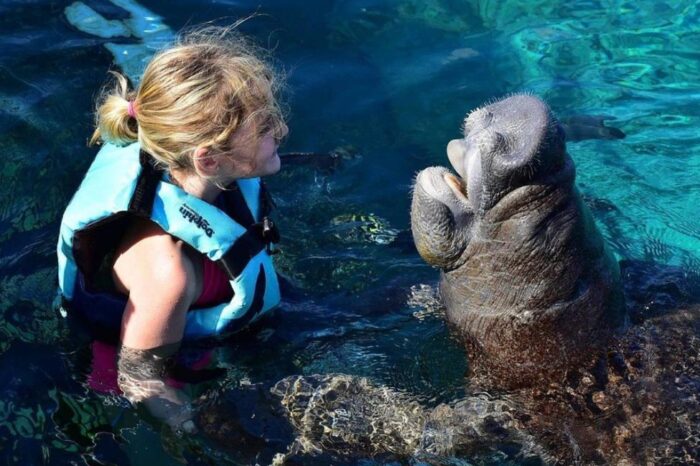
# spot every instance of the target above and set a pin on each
(268, 233)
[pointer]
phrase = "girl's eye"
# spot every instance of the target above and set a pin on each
(265, 124)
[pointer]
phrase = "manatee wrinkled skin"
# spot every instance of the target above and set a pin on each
(526, 277)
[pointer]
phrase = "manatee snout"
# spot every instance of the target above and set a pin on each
(526, 278)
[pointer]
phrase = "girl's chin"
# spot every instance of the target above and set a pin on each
(273, 165)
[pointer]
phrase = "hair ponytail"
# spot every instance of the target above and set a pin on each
(113, 122)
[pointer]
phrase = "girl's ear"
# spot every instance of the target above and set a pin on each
(206, 164)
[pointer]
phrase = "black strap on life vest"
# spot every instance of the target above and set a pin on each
(269, 231)
(141, 203)
(256, 304)
(247, 246)
(258, 235)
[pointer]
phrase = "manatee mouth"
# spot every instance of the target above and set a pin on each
(456, 189)
(440, 185)
(457, 185)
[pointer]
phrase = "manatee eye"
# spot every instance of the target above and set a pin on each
(500, 142)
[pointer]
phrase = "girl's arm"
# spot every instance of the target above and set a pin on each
(159, 276)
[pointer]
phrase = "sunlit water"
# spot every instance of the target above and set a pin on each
(385, 85)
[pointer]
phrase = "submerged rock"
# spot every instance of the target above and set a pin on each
(352, 417)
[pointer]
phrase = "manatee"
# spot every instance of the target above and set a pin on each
(635, 403)
(526, 277)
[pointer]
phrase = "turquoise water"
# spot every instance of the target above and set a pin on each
(386, 85)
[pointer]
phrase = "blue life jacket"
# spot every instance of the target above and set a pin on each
(122, 183)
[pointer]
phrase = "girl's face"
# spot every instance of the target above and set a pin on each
(268, 161)
(250, 160)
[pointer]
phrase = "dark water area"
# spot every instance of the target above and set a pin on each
(383, 86)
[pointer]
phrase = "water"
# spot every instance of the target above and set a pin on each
(385, 84)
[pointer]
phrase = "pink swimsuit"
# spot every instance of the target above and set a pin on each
(216, 288)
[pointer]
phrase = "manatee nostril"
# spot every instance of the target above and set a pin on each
(478, 119)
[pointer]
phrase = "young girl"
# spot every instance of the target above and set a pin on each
(167, 237)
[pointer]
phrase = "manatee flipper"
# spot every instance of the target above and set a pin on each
(581, 127)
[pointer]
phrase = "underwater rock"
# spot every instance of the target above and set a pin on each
(347, 414)
(352, 417)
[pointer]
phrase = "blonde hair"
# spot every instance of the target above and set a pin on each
(196, 93)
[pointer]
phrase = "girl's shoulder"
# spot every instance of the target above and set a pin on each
(149, 256)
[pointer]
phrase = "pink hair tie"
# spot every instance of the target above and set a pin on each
(131, 110)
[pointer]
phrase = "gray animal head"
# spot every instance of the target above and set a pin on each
(526, 279)
(506, 145)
